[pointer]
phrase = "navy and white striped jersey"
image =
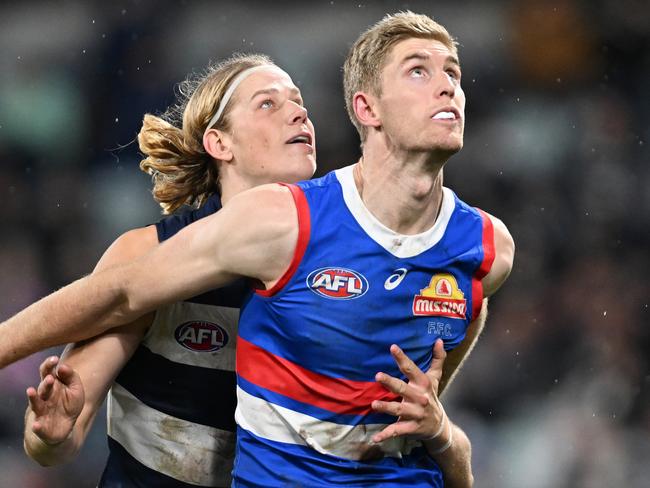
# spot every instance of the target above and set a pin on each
(171, 409)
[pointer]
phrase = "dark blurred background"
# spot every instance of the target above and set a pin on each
(557, 136)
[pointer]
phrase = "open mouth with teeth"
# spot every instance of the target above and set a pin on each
(443, 115)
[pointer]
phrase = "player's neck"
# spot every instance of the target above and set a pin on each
(404, 192)
(231, 184)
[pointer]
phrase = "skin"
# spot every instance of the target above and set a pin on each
(63, 406)
(400, 162)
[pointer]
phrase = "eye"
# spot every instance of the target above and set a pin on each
(417, 72)
(268, 103)
(454, 74)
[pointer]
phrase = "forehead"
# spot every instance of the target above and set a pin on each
(267, 79)
(415, 46)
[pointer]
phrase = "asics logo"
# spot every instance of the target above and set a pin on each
(395, 279)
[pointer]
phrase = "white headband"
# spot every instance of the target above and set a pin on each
(231, 89)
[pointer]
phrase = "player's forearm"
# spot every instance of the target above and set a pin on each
(78, 311)
(454, 461)
(51, 454)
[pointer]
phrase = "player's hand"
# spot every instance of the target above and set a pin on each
(419, 413)
(57, 402)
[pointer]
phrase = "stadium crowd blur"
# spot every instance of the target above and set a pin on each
(557, 136)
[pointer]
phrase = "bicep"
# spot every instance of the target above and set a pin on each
(253, 236)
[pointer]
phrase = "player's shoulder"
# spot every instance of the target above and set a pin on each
(129, 246)
(263, 202)
(504, 253)
(501, 233)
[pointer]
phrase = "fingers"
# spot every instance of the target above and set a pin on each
(47, 366)
(403, 410)
(38, 429)
(437, 361)
(406, 365)
(34, 401)
(409, 391)
(439, 354)
(46, 387)
(395, 430)
(67, 375)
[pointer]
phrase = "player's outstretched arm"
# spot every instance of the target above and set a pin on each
(504, 252)
(420, 414)
(61, 410)
(254, 235)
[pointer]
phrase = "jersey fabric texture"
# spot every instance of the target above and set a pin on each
(309, 348)
(171, 409)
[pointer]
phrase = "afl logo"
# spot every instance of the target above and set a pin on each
(337, 283)
(200, 336)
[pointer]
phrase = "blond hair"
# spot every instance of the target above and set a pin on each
(369, 54)
(183, 173)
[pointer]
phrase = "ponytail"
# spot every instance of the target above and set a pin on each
(181, 171)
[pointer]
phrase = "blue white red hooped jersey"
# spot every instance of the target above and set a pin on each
(309, 348)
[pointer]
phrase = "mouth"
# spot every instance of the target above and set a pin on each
(301, 138)
(446, 114)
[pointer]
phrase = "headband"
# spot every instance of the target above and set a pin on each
(231, 89)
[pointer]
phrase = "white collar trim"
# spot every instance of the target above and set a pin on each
(400, 245)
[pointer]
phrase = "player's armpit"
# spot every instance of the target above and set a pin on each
(457, 356)
(263, 234)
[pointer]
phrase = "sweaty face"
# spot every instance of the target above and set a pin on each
(422, 106)
(272, 137)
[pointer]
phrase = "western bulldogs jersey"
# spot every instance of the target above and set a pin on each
(171, 409)
(309, 348)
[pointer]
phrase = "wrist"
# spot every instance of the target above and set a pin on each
(438, 446)
(443, 438)
(441, 426)
(48, 453)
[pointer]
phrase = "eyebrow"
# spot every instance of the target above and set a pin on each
(422, 56)
(274, 91)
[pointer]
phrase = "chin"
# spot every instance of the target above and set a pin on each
(448, 147)
(303, 171)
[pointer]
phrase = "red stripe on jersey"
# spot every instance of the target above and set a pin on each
(285, 377)
(304, 230)
(486, 264)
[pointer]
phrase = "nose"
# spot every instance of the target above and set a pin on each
(446, 85)
(298, 114)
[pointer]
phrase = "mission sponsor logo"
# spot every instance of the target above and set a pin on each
(441, 298)
(337, 283)
(201, 336)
